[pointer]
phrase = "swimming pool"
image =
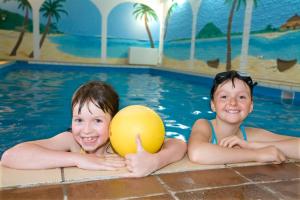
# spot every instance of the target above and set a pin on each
(35, 99)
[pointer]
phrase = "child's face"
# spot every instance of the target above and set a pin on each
(232, 103)
(90, 128)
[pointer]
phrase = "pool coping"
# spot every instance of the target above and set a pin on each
(16, 178)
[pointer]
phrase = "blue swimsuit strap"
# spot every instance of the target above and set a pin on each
(214, 137)
(213, 134)
(243, 132)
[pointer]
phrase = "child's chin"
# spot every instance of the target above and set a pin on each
(90, 148)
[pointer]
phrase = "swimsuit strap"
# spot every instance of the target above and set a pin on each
(243, 132)
(214, 137)
(213, 134)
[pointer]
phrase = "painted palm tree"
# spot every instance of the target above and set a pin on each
(235, 5)
(146, 13)
(50, 9)
(25, 6)
(169, 14)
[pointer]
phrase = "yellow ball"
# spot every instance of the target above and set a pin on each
(134, 120)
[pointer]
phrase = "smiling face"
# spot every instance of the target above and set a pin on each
(232, 102)
(90, 126)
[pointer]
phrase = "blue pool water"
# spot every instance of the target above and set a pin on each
(35, 100)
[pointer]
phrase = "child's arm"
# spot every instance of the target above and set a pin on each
(259, 138)
(51, 153)
(143, 163)
(203, 152)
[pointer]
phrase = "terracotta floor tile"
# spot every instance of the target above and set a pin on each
(285, 171)
(201, 179)
(245, 192)
(116, 188)
(288, 189)
(35, 193)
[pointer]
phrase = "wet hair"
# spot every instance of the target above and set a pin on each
(100, 94)
(231, 75)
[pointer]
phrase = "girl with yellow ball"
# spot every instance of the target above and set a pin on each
(86, 145)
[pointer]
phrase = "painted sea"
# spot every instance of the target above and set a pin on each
(286, 47)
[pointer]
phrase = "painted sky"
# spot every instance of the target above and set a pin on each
(84, 18)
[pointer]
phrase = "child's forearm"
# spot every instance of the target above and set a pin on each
(172, 151)
(291, 147)
(213, 154)
(32, 156)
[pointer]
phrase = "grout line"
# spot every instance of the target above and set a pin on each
(275, 193)
(62, 174)
(241, 175)
(65, 192)
(64, 187)
(166, 187)
(143, 196)
(236, 185)
(216, 187)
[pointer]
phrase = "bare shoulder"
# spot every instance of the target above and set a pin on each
(62, 141)
(201, 130)
(263, 135)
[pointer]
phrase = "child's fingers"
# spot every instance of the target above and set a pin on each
(282, 157)
(230, 142)
(129, 168)
(128, 163)
(129, 156)
(107, 167)
(128, 175)
(117, 159)
(118, 163)
(224, 142)
(112, 156)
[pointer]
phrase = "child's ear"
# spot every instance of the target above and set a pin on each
(212, 106)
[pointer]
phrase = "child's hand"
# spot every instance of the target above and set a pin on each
(140, 164)
(106, 162)
(270, 154)
(234, 141)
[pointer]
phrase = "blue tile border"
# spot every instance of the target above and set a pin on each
(260, 90)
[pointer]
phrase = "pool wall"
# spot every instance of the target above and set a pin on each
(270, 91)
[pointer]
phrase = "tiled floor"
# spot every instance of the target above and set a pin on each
(248, 182)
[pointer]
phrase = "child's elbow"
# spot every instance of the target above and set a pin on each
(193, 156)
(199, 156)
(7, 157)
(11, 156)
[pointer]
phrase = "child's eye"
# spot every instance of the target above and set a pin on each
(243, 97)
(78, 120)
(98, 120)
(223, 97)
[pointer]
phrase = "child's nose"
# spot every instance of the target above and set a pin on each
(232, 101)
(86, 128)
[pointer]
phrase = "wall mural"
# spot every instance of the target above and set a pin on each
(69, 37)
(71, 32)
(274, 46)
(178, 35)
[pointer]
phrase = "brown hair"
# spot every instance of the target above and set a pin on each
(100, 94)
(231, 75)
